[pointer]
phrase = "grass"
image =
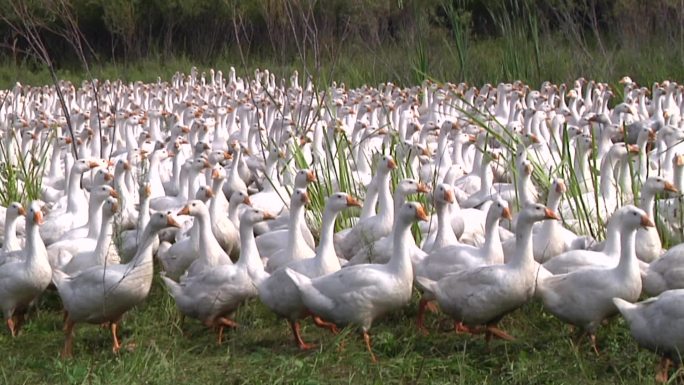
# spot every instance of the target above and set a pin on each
(160, 351)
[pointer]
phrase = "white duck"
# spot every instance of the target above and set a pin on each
(584, 297)
(212, 295)
(104, 293)
(278, 292)
(359, 294)
(657, 324)
(483, 295)
(23, 280)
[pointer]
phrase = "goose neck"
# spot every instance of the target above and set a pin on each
(400, 261)
(326, 249)
(103, 242)
(523, 244)
(628, 260)
(249, 254)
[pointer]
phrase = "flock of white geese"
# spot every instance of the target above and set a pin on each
(200, 174)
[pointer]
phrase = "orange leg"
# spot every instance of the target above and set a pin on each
(366, 339)
(67, 352)
(325, 324)
(420, 317)
(10, 326)
(663, 368)
(116, 346)
(221, 323)
(592, 336)
(460, 328)
(298, 336)
(493, 331)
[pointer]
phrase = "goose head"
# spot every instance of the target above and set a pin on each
(83, 165)
(160, 220)
(299, 198)
(110, 208)
(659, 184)
(632, 217)
(102, 176)
(444, 193)
(558, 186)
(536, 212)
(386, 164)
(204, 193)
(239, 198)
(412, 211)
(218, 172)
(255, 215)
(499, 209)
(339, 201)
(410, 186)
(35, 214)
(195, 208)
(15, 209)
(304, 177)
(100, 193)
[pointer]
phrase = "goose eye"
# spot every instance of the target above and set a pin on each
(194, 204)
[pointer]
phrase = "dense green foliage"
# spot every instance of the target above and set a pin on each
(354, 41)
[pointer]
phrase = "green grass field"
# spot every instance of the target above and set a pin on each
(159, 350)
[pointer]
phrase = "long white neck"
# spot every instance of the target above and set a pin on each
(492, 245)
(400, 262)
(628, 260)
(523, 245)
(94, 216)
(325, 253)
(294, 235)
(249, 254)
(103, 242)
(445, 234)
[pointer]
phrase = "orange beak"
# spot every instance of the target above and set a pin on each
(391, 164)
(38, 218)
(172, 222)
(184, 211)
(449, 196)
(247, 201)
(550, 214)
(670, 187)
(506, 214)
(310, 176)
(21, 211)
(420, 213)
(268, 216)
(114, 194)
(305, 198)
(646, 221)
(353, 202)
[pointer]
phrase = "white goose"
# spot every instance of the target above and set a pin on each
(483, 295)
(104, 293)
(105, 253)
(359, 294)
(382, 249)
(213, 295)
(459, 257)
(584, 297)
(657, 324)
(296, 247)
(278, 292)
(23, 280)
